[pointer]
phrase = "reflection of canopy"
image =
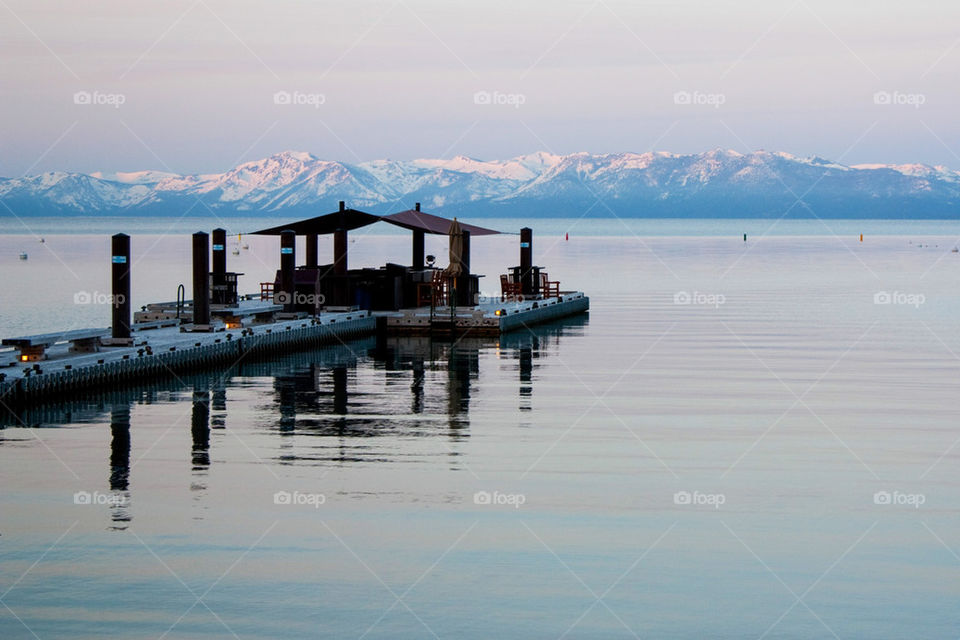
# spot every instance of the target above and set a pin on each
(348, 220)
(354, 219)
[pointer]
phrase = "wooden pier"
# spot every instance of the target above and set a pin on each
(305, 306)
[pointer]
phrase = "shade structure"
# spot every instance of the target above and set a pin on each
(346, 220)
(455, 231)
(350, 219)
(428, 223)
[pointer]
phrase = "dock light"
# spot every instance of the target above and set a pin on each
(24, 358)
(500, 312)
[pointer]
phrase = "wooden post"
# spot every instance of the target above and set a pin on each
(120, 260)
(288, 264)
(526, 261)
(312, 250)
(201, 279)
(219, 257)
(463, 287)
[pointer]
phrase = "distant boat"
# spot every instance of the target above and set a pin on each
(236, 251)
(954, 250)
(42, 240)
(245, 246)
(23, 255)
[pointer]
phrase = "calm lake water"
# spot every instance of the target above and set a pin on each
(753, 439)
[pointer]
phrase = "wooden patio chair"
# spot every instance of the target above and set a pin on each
(509, 290)
(549, 288)
(434, 292)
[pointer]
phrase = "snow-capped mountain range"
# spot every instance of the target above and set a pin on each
(716, 183)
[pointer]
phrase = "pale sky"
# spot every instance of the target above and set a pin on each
(397, 79)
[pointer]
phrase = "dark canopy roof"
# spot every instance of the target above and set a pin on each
(350, 219)
(321, 225)
(428, 223)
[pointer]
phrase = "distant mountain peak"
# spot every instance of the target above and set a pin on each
(717, 182)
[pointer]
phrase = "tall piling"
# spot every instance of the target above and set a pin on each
(219, 257)
(288, 264)
(418, 242)
(201, 279)
(120, 277)
(312, 258)
(526, 261)
(464, 294)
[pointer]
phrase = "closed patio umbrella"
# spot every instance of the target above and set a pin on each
(455, 268)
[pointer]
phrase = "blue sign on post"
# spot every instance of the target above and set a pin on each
(119, 259)
(218, 247)
(524, 245)
(286, 249)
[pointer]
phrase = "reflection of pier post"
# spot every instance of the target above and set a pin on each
(120, 465)
(340, 391)
(120, 448)
(219, 405)
(416, 386)
(200, 428)
(287, 399)
(459, 369)
(526, 377)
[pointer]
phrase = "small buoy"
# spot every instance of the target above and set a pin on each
(744, 237)
(568, 237)
(861, 237)
(23, 255)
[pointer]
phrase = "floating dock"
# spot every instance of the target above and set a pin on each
(485, 319)
(302, 308)
(164, 352)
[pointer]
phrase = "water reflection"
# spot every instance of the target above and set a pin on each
(120, 465)
(326, 405)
